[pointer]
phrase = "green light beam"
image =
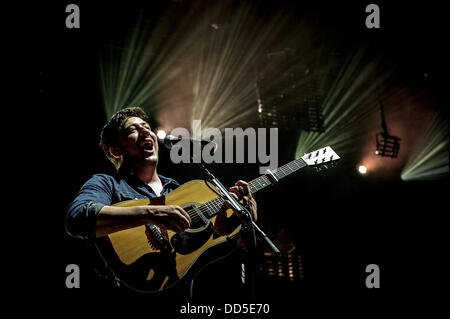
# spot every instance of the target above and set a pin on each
(430, 158)
(351, 101)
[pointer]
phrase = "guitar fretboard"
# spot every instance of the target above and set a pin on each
(281, 172)
(213, 207)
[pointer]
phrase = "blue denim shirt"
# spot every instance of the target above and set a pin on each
(102, 190)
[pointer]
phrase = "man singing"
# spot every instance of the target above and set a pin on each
(130, 144)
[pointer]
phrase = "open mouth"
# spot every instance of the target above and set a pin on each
(147, 145)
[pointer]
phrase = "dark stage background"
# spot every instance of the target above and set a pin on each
(340, 221)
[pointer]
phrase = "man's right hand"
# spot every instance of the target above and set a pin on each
(171, 217)
(112, 218)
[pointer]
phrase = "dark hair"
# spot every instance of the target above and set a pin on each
(111, 131)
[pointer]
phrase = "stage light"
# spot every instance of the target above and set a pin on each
(362, 169)
(214, 77)
(259, 106)
(349, 103)
(201, 66)
(387, 145)
(161, 134)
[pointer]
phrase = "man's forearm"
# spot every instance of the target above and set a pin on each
(111, 219)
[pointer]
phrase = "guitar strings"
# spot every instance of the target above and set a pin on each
(204, 208)
(258, 183)
(213, 207)
(209, 207)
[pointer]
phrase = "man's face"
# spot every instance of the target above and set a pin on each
(137, 142)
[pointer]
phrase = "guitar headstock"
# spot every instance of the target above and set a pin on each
(321, 157)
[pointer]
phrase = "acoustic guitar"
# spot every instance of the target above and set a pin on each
(152, 259)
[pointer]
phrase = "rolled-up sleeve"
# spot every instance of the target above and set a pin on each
(82, 213)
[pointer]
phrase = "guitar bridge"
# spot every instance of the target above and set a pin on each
(156, 238)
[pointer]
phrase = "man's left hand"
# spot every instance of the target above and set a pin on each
(241, 192)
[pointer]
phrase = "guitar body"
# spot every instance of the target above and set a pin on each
(150, 259)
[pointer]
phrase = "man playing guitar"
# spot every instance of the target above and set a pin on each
(130, 144)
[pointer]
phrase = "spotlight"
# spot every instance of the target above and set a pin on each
(387, 145)
(259, 106)
(362, 169)
(161, 134)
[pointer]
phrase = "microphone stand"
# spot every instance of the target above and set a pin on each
(251, 230)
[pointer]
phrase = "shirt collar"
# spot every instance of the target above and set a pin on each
(167, 180)
(164, 180)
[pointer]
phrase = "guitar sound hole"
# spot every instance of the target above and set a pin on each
(197, 218)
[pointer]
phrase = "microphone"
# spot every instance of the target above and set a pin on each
(170, 141)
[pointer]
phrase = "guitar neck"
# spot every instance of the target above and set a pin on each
(213, 207)
(266, 180)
